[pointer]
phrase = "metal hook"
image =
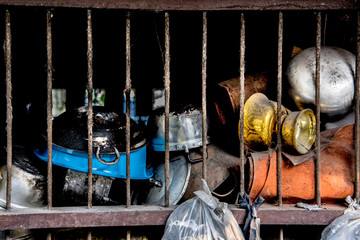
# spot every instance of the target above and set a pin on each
(106, 162)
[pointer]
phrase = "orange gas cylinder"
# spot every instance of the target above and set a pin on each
(298, 181)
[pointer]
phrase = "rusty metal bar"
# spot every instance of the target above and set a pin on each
(279, 95)
(127, 93)
(167, 106)
(139, 215)
(357, 111)
(9, 107)
(49, 106)
(128, 235)
(317, 98)
(90, 105)
(206, 5)
(204, 112)
(89, 235)
(242, 100)
(281, 234)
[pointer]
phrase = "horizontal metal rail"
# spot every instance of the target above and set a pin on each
(165, 5)
(110, 216)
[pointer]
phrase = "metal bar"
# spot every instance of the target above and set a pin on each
(206, 5)
(242, 100)
(279, 95)
(167, 106)
(139, 215)
(281, 234)
(128, 235)
(127, 93)
(9, 107)
(357, 111)
(324, 29)
(89, 235)
(90, 105)
(204, 112)
(317, 98)
(49, 106)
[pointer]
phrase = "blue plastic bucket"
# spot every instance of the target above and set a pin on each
(78, 161)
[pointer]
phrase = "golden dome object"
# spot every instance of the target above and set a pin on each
(299, 130)
(260, 116)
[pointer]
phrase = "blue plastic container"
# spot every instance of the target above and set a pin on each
(78, 161)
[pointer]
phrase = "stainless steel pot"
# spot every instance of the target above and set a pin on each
(337, 68)
(179, 174)
(185, 129)
(28, 184)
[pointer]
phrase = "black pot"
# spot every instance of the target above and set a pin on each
(109, 131)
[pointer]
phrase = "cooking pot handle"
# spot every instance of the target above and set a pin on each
(106, 162)
(195, 160)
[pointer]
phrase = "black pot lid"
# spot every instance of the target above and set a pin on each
(109, 130)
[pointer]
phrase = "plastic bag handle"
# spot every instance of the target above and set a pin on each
(106, 162)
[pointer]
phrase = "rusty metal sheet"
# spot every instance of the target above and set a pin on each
(165, 5)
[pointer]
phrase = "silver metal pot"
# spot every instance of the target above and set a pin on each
(75, 191)
(179, 175)
(337, 68)
(28, 184)
(185, 129)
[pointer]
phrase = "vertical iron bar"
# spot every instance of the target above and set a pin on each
(242, 99)
(317, 159)
(324, 30)
(89, 235)
(90, 105)
(279, 95)
(128, 235)
(204, 112)
(127, 93)
(357, 110)
(9, 113)
(167, 106)
(49, 105)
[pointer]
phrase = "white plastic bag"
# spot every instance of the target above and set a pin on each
(346, 226)
(202, 217)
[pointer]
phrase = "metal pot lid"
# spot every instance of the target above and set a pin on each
(179, 175)
(109, 130)
(185, 128)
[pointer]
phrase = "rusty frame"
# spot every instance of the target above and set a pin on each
(95, 216)
(207, 5)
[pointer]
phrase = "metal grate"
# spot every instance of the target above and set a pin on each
(129, 215)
